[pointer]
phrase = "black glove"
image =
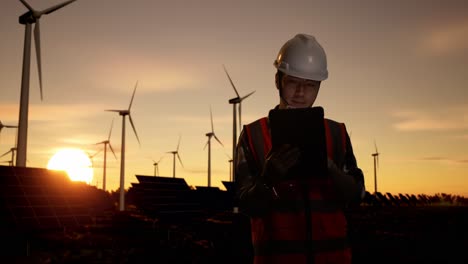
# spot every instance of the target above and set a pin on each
(279, 162)
(347, 187)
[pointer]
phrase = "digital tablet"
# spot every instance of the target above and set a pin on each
(305, 129)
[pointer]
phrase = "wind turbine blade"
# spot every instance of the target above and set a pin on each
(206, 144)
(113, 110)
(178, 157)
(133, 95)
(110, 146)
(37, 40)
(97, 152)
(6, 153)
(230, 80)
(160, 159)
(247, 95)
(134, 130)
(110, 131)
(375, 145)
(27, 5)
(178, 143)
(58, 6)
(211, 117)
(219, 141)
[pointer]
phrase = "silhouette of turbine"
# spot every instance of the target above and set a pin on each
(230, 166)
(27, 19)
(175, 153)
(6, 126)
(105, 143)
(208, 143)
(235, 101)
(156, 164)
(12, 151)
(376, 165)
(123, 113)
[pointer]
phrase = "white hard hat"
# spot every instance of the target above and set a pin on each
(303, 57)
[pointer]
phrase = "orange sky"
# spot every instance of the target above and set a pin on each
(397, 76)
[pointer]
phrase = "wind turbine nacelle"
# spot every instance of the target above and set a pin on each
(234, 100)
(27, 18)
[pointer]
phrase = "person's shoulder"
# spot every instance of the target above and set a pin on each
(261, 119)
(333, 122)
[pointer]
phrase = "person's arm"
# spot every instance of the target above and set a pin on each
(349, 180)
(253, 196)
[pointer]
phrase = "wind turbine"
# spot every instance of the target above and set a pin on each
(6, 126)
(376, 164)
(12, 151)
(27, 19)
(91, 156)
(124, 113)
(175, 153)
(106, 142)
(230, 166)
(235, 101)
(155, 164)
(208, 143)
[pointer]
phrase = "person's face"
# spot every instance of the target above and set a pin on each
(298, 92)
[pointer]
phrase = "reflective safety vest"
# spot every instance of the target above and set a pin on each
(305, 224)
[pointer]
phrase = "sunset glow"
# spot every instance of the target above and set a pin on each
(75, 162)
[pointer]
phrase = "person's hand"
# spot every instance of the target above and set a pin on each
(278, 163)
(346, 186)
(333, 170)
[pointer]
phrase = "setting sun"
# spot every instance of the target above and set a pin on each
(75, 162)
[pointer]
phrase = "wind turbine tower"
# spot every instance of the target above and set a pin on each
(27, 19)
(105, 143)
(175, 153)
(208, 143)
(124, 113)
(376, 164)
(156, 168)
(235, 101)
(230, 169)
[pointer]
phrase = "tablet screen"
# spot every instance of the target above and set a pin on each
(305, 129)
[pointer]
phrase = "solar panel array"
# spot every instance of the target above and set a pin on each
(164, 197)
(34, 199)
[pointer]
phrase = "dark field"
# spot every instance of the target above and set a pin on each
(167, 221)
(430, 234)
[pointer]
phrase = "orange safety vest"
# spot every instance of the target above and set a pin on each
(305, 224)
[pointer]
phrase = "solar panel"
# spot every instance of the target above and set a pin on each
(164, 197)
(229, 186)
(34, 199)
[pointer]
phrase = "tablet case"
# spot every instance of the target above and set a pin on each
(305, 129)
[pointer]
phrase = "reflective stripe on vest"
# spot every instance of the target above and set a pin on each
(282, 231)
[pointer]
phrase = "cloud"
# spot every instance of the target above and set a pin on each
(50, 112)
(448, 39)
(153, 73)
(443, 159)
(452, 118)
